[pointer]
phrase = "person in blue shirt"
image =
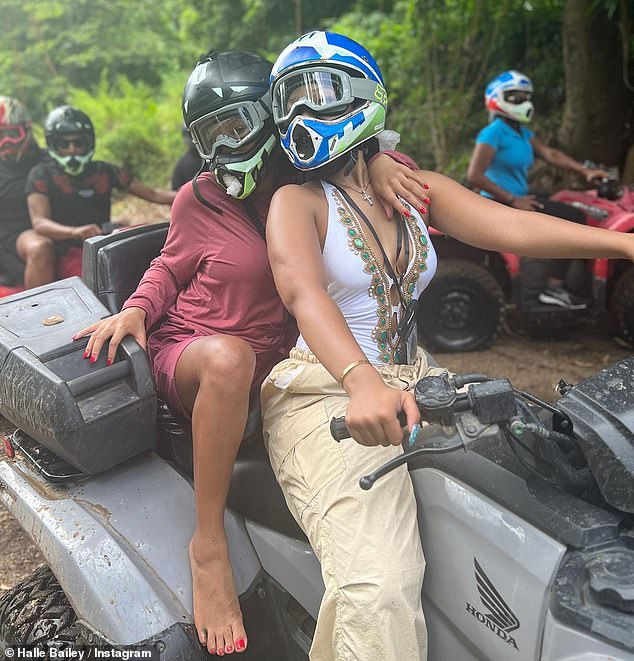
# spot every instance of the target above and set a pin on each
(504, 153)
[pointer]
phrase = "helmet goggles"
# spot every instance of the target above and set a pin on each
(231, 127)
(12, 138)
(12, 134)
(324, 90)
(81, 142)
(517, 96)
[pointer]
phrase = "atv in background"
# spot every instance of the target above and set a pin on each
(12, 268)
(464, 305)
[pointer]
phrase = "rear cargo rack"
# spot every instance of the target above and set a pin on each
(48, 464)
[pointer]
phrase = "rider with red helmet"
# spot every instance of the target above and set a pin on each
(24, 255)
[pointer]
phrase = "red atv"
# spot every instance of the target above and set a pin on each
(463, 307)
(66, 266)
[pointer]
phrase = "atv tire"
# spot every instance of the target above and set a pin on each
(461, 309)
(36, 612)
(622, 307)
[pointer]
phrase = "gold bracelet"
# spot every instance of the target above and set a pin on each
(350, 367)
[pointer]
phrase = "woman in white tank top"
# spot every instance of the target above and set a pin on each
(348, 274)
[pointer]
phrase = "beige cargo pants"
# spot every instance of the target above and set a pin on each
(367, 542)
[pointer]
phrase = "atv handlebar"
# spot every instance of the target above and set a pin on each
(339, 431)
(438, 400)
(457, 419)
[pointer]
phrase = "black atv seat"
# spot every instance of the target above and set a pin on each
(113, 265)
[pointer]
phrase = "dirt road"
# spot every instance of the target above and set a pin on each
(532, 365)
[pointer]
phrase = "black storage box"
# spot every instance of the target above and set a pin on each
(91, 415)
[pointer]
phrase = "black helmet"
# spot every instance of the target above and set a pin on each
(227, 109)
(67, 120)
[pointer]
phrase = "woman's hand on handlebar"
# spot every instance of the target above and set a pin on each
(371, 413)
(130, 321)
(594, 173)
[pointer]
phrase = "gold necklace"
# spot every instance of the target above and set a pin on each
(364, 192)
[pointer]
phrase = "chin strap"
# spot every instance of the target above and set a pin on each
(201, 198)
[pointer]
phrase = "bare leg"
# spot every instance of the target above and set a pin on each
(38, 254)
(213, 378)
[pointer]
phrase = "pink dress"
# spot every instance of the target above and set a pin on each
(212, 277)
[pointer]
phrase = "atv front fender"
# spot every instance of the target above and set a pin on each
(118, 543)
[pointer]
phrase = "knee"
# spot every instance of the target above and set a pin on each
(398, 592)
(226, 361)
(40, 249)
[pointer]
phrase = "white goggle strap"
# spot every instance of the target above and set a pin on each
(362, 88)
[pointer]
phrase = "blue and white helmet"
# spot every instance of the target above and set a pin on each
(328, 96)
(509, 95)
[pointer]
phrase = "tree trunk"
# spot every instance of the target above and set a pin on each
(299, 17)
(596, 118)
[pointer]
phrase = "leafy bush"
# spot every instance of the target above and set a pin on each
(135, 125)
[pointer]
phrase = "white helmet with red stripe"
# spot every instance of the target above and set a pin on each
(509, 95)
(15, 129)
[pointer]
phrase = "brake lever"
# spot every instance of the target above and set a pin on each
(367, 481)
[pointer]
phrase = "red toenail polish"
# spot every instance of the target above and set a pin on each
(240, 644)
(220, 652)
(228, 649)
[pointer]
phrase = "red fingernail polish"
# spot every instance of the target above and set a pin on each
(109, 362)
(426, 200)
(240, 644)
(406, 213)
(426, 186)
(86, 354)
(423, 210)
(93, 359)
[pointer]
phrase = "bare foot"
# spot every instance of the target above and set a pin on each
(217, 614)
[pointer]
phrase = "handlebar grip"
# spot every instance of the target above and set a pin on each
(339, 431)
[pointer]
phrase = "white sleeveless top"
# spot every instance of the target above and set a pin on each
(358, 283)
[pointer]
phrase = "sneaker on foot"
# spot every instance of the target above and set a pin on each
(563, 298)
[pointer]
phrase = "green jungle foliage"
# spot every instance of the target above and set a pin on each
(125, 62)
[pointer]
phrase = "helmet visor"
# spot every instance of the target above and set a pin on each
(517, 96)
(231, 127)
(80, 142)
(325, 91)
(12, 134)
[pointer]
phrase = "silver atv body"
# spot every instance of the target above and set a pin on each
(518, 566)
